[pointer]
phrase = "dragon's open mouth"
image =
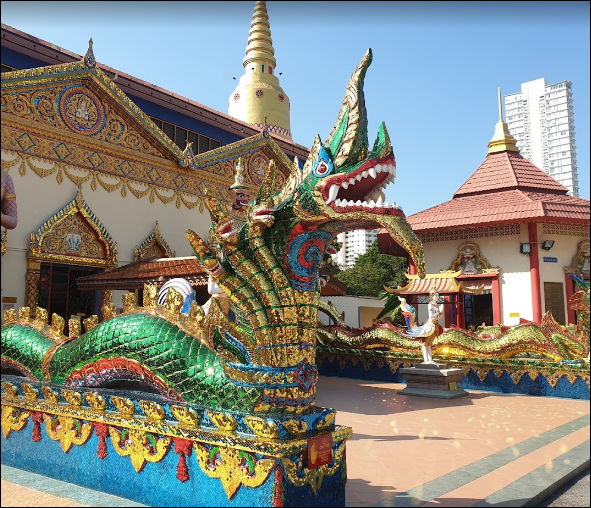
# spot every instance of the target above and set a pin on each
(363, 189)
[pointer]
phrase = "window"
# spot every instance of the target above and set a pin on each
(179, 136)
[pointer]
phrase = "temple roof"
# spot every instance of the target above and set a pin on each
(506, 188)
(443, 283)
(148, 271)
(159, 270)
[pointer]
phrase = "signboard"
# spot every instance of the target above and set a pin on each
(514, 314)
(319, 451)
(550, 260)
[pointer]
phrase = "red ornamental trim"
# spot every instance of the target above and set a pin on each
(259, 93)
(278, 493)
(281, 97)
(37, 418)
(183, 447)
(102, 431)
(236, 96)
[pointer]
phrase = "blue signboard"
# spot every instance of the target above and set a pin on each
(550, 260)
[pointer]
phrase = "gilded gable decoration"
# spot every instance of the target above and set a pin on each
(470, 261)
(153, 246)
(72, 236)
(72, 121)
(580, 264)
(74, 232)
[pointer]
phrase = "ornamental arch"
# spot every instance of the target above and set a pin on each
(72, 243)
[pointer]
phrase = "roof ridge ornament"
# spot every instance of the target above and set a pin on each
(89, 59)
(502, 140)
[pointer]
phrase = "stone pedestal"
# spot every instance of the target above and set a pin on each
(433, 380)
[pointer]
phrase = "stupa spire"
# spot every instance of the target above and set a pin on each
(258, 94)
(502, 140)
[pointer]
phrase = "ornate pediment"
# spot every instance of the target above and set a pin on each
(255, 153)
(74, 234)
(153, 246)
(71, 120)
(470, 261)
(80, 105)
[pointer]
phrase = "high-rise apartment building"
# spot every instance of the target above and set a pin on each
(354, 243)
(541, 119)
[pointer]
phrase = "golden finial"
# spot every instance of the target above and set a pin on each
(502, 140)
(150, 296)
(74, 327)
(239, 178)
(57, 324)
(174, 302)
(41, 317)
(9, 315)
(129, 301)
(90, 322)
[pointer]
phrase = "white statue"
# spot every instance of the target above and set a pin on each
(431, 328)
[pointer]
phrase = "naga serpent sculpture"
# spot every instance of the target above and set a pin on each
(265, 360)
(548, 339)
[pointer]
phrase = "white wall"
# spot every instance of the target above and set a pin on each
(128, 220)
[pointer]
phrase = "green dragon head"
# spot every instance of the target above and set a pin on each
(341, 185)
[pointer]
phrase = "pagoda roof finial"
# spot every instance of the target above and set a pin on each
(89, 59)
(502, 140)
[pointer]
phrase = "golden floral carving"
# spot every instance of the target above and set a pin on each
(49, 394)
(139, 446)
(13, 419)
(90, 322)
(222, 421)
(96, 401)
(295, 427)
(9, 315)
(299, 475)
(31, 393)
(262, 427)
(10, 391)
(186, 416)
(67, 430)
(129, 301)
(327, 422)
(124, 405)
(24, 314)
(228, 467)
(153, 411)
(73, 398)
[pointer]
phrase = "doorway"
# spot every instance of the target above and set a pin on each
(478, 310)
(58, 292)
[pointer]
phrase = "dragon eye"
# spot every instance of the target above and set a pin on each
(322, 169)
(322, 165)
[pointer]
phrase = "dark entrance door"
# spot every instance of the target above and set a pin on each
(59, 294)
(478, 309)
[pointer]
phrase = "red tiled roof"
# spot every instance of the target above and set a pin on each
(505, 188)
(136, 274)
(149, 271)
(508, 170)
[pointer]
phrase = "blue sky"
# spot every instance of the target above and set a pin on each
(434, 77)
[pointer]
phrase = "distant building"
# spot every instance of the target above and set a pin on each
(354, 244)
(511, 234)
(541, 119)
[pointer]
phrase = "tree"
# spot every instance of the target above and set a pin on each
(373, 271)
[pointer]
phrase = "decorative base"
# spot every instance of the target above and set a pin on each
(433, 380)
(162, 453)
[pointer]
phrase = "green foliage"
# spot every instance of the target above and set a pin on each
(373, 271)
